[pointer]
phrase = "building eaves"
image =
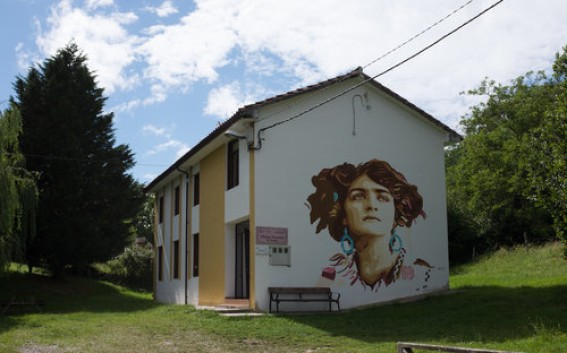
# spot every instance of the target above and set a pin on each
(243, 112)
(454, 136)
(250, 109)
(193, 151)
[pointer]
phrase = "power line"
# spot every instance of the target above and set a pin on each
(297, 102)
(82, 160)
(438, 40)
(259, 139)
(418, 35)
(374, 61)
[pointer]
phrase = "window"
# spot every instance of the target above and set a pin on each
(232, 164)
(196, 189)
(160, 263)
(195, 255)
(160, 209)
(176, 201)
(176, 259)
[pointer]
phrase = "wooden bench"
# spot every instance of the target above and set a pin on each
(20, 302)
(303, 295)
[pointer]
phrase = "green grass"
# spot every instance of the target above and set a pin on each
(514, 300)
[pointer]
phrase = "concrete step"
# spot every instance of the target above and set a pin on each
(232, 311)
(242, 314)
(227, 309)
(231, 306)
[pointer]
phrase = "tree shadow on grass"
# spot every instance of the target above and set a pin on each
(69, 294)
(480, 314)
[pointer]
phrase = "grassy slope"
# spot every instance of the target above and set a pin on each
(514, 300)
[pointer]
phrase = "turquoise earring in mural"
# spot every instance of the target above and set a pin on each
(395, 242)
(335, 196)
(347, 244)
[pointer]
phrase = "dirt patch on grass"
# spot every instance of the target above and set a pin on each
(32, 348)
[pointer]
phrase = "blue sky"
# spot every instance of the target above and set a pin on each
(172, 70)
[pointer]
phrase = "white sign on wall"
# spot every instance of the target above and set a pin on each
(271, 236)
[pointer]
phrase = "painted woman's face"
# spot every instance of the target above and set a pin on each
(369, 208)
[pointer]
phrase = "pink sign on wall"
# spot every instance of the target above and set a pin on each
(271, 236)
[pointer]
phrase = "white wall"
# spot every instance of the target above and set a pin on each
(193, 283)
(237, 199)
(294, 152)
(173, 227)
(236, 209)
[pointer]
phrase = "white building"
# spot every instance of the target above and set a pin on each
(294, 191)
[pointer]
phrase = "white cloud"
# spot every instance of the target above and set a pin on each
(126, 106)
(181, 150)
(105, 40)
(164, 10)
(24, 57)
(191, 50)
(93, 4)
(149, 176)
(176, 145)
(224, 101)
(158, 95)
(309, 41)
(156, 131)
(242, 51)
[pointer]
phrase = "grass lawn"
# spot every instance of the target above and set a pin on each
(514, 300)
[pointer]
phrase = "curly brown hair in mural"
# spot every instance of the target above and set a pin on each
(361, 206)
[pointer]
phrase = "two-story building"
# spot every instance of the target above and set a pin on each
(337, 184)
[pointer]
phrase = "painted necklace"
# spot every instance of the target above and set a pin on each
(345, 265)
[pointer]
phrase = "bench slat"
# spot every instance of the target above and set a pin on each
(305, 290)
(275, 293)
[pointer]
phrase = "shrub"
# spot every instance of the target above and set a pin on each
(132, 268)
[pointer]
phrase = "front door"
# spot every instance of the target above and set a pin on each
(242, 256)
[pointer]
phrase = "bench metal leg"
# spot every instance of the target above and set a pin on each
(275, 297)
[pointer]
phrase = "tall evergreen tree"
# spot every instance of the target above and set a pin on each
(86, 194)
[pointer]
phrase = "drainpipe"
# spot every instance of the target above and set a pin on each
(186, 228)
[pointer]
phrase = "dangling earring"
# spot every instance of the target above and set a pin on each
(349, 247)
(395, 242)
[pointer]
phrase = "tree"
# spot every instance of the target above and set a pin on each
(507, 177)
(547, 164)
(18, 192)
(86, 194)
(144, 222)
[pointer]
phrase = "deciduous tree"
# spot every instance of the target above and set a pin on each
(508, 176)
(18, 192)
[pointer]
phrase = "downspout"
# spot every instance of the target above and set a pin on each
(186, 275)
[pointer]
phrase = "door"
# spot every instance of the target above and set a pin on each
(242, 256)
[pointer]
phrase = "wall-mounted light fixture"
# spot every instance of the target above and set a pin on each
(240, 136)
(235, 134)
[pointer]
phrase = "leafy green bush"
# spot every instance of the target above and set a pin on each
(132, 268)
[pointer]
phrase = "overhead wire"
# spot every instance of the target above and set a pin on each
(429, 46)
(343, 92)
(418, 35)
(81, 160)
(297, 102)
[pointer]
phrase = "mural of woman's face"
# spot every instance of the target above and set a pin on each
(369, 208)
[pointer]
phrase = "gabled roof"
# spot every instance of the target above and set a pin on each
(247, 111)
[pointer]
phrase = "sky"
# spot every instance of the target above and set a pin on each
(173, 70)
